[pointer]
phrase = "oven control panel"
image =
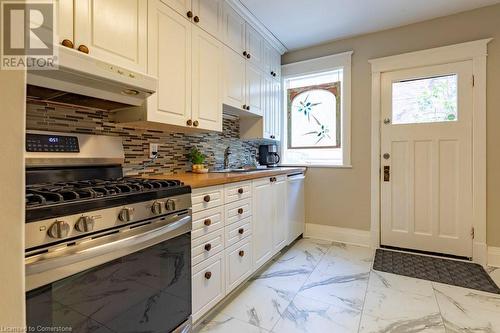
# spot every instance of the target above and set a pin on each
(51, 143)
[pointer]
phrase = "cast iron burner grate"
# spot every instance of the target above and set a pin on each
(453, 272)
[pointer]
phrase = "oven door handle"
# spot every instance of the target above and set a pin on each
(119, 245)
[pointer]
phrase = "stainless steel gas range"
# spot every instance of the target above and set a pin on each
(104, 253)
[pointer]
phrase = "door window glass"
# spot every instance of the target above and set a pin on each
(425, 100)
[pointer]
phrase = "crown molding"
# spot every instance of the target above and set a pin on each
(257, 25)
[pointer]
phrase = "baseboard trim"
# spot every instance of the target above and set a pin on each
(494, 256)
(338, 234)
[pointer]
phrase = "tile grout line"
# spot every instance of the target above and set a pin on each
(296, 293)
(439, 306)
(364, 298)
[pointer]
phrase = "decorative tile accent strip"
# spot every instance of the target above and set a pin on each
(173, 147)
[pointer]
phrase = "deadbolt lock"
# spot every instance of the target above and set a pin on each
(387, 173)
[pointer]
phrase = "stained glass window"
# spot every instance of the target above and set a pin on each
(314, 116)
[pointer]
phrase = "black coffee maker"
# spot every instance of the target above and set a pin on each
(268, 155)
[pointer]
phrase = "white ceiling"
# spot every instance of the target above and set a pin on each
(302, 23)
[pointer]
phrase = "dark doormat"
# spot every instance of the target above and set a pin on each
(457, 273)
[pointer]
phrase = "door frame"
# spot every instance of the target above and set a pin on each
(476, 51)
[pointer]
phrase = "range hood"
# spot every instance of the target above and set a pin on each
(83, 78)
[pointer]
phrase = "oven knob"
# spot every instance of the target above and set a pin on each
(59, 229)
(85, 224)
(170, 205)
(125, 214)
(157, 207)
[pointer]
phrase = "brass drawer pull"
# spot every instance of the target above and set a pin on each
(83, 49)
(207, 222)
(208, 247)
(206, 198)
(208, 275)
(67, 43)
(240, 211)
(240, 191)
(196, 19)
(189, 122)
(241, 253)
(189, 14)
(241, 231)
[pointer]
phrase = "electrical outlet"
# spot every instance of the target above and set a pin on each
(153, 150)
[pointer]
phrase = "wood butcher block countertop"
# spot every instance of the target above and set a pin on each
(196, 180)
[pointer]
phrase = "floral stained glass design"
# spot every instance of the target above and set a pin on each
(314, 116)
(425, 100)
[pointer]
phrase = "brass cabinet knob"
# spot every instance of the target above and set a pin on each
(241, 253)
(248, 107)
(273, 137)
(189, 122)
(245, 53)
(196, 123)
(241, 231)
(196, 19)
(248, 56)
(206, 198)
(240, 191)
(189, 14)
(83, 48)
(208, 247)
(208, 275)
(240, 211)
(207, 222)
(244, 106)
(67, 43)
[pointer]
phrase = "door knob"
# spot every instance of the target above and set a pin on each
(386, 156)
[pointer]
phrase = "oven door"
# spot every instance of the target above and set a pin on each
(134, 280)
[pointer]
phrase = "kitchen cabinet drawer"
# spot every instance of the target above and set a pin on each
(237, 191)
(238, 263)
(207, 197)
(207, 221)
(237, 211)
(238, 231)
(207, 246)
(208, 284)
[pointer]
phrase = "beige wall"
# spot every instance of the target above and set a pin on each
(341, 197)
(13, 101)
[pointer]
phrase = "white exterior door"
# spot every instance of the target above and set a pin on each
(426, 159)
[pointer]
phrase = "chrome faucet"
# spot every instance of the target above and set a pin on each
(227, 152)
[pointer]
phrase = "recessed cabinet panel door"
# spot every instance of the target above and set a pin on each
(255, 89)
(234, 78)
(207, 81)
(65, 15)
(268, 107)
(113, 30)
(263, 214)
(209, 15)
(276, 110)
(255, 46)
(180, 6)
(233, 26)
(170, 61)
(280, 230)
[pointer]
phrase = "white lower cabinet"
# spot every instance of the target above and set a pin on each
(208, 284)
(238, 263)
(236, 229)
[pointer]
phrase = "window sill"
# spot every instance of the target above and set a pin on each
(326, 166)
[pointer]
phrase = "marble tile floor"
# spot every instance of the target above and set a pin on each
(319, 286)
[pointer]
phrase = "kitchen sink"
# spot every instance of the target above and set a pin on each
(233, 170)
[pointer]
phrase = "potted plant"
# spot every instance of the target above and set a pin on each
(198, 159)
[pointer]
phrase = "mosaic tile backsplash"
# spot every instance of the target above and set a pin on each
(173, 147)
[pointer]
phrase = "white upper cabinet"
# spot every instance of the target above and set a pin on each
(234, 79)
(276, 111)
(65, 21)
(170, 61)
(268, 107)
(207, 58)
(207, 14)
(255, 85)
(113, 30)
(233, 26)
(180, 6)
(254, 46)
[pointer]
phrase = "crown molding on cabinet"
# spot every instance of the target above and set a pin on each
(262, 29)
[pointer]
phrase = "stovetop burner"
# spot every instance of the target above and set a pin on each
(56, 193)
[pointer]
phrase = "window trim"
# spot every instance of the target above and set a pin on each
(317, 66)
